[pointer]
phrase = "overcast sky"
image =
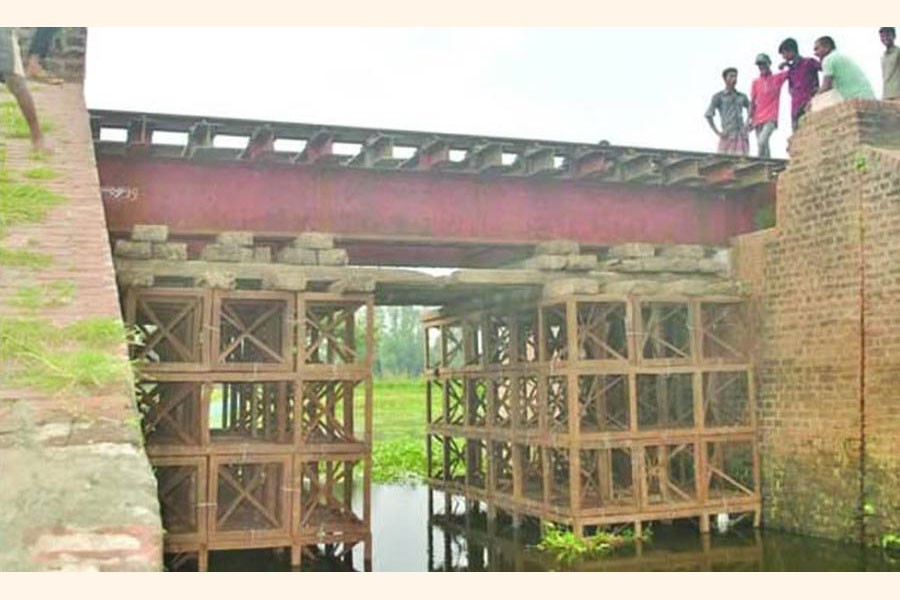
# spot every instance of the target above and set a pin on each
(639, 87)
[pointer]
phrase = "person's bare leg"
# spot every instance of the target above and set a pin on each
(19, 89)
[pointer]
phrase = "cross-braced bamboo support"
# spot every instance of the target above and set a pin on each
(595, 410)
(257, 412)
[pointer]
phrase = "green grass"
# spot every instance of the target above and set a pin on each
(35, 353)
(13, 124)
(45, 295)
(24, 259)
(399, 409)
(25, 203)
(398, 417)
(96, 331)
(41, 173)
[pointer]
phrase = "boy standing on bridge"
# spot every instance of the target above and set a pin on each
(840, 72)
(803, 78)
(12, 74)
(764, 96)
(730, 103)
(890, 65)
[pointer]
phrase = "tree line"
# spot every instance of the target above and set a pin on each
(398, 341)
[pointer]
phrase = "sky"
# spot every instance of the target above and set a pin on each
(646, 87)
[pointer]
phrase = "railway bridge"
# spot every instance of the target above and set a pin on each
(618, 335)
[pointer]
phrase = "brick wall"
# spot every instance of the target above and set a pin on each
(881, 193)
(837, 203)
(76, 488)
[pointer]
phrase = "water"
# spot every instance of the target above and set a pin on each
(405, 539)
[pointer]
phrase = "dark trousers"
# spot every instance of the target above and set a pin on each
(40, 43)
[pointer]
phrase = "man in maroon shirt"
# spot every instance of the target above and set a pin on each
(803, 78)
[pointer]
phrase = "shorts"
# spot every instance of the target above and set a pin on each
(10, 56)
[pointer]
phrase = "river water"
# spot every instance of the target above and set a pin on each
(406, 539)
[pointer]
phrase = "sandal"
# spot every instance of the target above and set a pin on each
(45, 78)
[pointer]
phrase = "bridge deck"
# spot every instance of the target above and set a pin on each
(416, 198)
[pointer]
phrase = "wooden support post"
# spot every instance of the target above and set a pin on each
(545, 466)
(491, 520)
(704, 523)
(448, 504)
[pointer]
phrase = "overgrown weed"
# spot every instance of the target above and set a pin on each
(41, 174)
(14, 125)
(567, 547)
(78, 357)
(24, 259)
(44, 295)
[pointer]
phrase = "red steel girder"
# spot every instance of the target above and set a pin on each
(193, 196)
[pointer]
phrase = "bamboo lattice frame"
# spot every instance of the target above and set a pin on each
(245, 395)
(652, 420)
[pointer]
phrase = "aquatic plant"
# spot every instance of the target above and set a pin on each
(567, 547)
(890, 543)
(398, 460)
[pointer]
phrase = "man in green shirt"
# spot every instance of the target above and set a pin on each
(890, 65)
(840, 73)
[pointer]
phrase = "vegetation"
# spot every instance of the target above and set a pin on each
(764, 217)
(33, 351)
(25, 203)
(24, 258)
(399, 460)
(398, 337)
(566, 547)
(46, 295)
(890, 543)
(37, 354)
(41, 173)
(398, 452)
(13, 124)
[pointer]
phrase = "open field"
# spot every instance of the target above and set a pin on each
(399, 429)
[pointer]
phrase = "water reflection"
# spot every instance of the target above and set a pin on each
(411, 535)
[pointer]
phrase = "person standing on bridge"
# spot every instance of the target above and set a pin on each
(13, 75)
(37, 52)
(764, 96)
(890, 65)
(840, 73)
(803, 78)
(733, 139)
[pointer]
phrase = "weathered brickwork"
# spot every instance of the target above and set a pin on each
(76, 488)
(748, 255)
(838, 203)
(881, 191)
